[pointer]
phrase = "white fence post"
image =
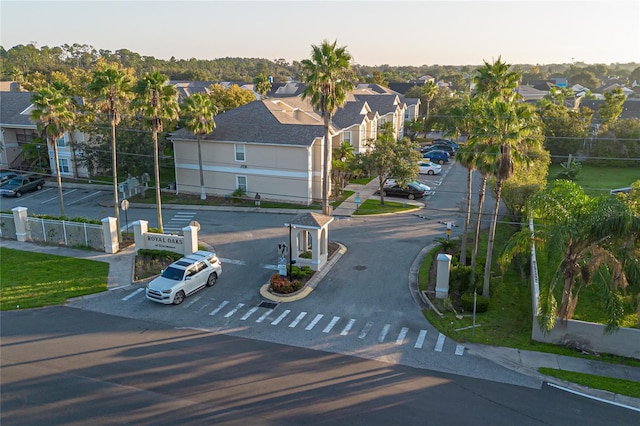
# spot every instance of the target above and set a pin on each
(190, 239)
(20, 219)
(110, 232)
(140, 228)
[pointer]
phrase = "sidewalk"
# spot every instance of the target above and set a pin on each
(525, 362)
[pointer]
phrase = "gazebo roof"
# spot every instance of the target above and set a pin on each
(311, 220)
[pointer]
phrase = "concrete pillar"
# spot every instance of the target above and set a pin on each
(442, 275)
(190, 239)
(140, 228)
(110, 232)
(20, 220)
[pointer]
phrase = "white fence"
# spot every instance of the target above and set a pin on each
(65, 232)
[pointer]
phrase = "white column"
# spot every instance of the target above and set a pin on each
(20, 220)
(442, 276)
(110, 231)
(190, 239)
(140, 228)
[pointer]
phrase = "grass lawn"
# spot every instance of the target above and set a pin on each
(619, 386)
(599, 180)
(31, 280)
(374, 207)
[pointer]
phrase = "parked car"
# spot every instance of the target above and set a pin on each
(429, 168)
(411, 191)
(449, 149)
(184, 277)
(455, 145)
(436, 156)
(5, 176)
(427, 189)
(18, 185)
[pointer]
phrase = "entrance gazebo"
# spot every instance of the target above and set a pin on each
(309, 239)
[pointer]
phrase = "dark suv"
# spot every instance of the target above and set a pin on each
(18, 185)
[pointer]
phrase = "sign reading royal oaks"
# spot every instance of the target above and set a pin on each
(164, 242)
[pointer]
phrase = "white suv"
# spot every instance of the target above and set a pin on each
(184, 277)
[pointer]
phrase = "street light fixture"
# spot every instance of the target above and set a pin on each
(291, 262)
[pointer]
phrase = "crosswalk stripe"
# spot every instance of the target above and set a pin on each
(264, 316)
(281, 317)
(331, 324)
(133, 294)
(420, 341)
(234, 310)
(384, 332)
(439, 343)
(313, 322)
(365, 330)
(348, 327)
(459, 349)
(402, 335)
(220, 306)
(249, 313)
(299, 318)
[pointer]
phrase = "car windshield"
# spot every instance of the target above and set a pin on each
(15, 182)
(173, 273)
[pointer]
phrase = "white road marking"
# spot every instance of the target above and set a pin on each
(365, 330)
(314, 322)
(249, 313)
(281, 317)
(133, 294)
(264, 316)
(383, 333)
(439, 343)
(459, 349)
(299, 318)
(194, 300)
(348, 327)
(402, 335)
(331, 324)
(234, 310)
(201, 308)
(232, 261)
(420, 341)
(84, 198)
(56, 197)
(220, 306)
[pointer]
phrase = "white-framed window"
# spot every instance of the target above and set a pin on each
(363, 133)
(62, 142)
(346, 137)
(240, 152)
(64, 165)
(241, 183)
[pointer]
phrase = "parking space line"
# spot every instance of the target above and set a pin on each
(129, 296)
(194, 300)
(56, 197)
(402, 335)
(249, 313)
(264, 316)
(299, 318)
(280, 318)
(348, 327)
(93, 194)
(420, 341)
(220, 306)
(459, 349)
(439, 343)
(314, 322)
(201, 308)
(234, 310)
(383, 333)
(365, 330)
(331, 324)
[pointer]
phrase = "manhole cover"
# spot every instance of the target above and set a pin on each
(269, 305)
(359, 267)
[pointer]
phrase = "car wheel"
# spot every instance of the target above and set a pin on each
(213, 277)
(441, 162)
(18, 194)
(178, 298)
(430, 172)
(38, 187)
(411, 197)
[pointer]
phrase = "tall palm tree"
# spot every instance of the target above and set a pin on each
(198, 112)
(157, 102)
(496, 81)
(54, 113)
(329, 79)
(428, 91)
(111, 90)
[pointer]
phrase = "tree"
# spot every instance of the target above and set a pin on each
(223, 98)
(262, 85)
(428, 92)
(198, 112)
(111, 90)
(612, 107)
(583, 239)
(328, 77)
(387, 156)
(157, 102)
(341, 165)
(54, 112)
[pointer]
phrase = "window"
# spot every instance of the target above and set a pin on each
(240, 152)
(63, 163)
(241, 183)
(346, 137)
(62, 142)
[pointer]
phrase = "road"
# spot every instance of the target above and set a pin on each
(63, 365)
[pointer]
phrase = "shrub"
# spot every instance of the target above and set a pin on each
(300, 272)
(281, 285)
(482, 303)
(306, 255)
(460, 277)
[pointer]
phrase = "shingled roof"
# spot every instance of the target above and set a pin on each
(14, 109)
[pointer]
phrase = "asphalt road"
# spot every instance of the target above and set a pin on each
(63, 365)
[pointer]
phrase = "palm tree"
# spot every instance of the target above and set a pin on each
(584, 240)
(428, 91)
(111, 87)
(157, 102)
(198, 113)
(54, 113)
(329, 79)
(495, 81)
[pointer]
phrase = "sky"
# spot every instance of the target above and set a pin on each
(395, 33)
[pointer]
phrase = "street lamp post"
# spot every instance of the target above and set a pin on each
(291, 261)
(39, 160)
